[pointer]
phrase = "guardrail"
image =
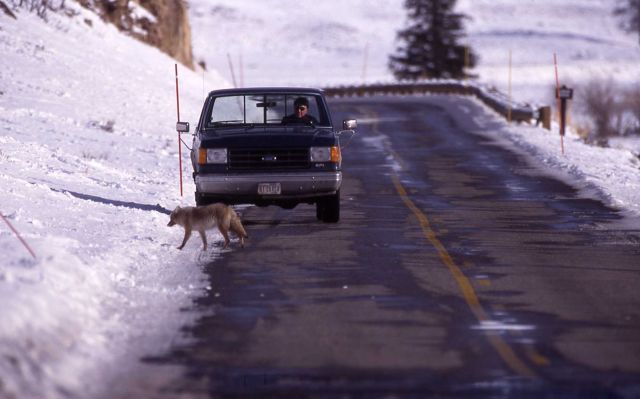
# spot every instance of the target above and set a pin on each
(491, 97)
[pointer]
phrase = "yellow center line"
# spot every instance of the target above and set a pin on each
(484, 282)
(504, 350)
(536, 357)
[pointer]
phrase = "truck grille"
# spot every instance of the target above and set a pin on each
(268, 159)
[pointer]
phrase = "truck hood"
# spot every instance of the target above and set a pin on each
(279, 136)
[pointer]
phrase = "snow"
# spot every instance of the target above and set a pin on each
(87, 152)
(320, 43)
(611, 175)
(89, 160)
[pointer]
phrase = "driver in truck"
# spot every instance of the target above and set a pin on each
(300, 114)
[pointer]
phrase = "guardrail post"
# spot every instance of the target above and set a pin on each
(544, 116)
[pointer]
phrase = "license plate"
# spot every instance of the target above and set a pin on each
(269, 189)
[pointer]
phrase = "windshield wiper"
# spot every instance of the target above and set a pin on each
(227, 123)
(235, 124)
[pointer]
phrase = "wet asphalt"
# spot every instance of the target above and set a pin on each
(458, 270)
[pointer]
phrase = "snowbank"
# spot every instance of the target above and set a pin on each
(88, 170)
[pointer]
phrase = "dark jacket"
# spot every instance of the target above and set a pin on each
(294, 120)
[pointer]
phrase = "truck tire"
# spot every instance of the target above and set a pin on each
(200, 200)
(328, 209)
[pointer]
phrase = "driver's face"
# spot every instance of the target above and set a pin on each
(301, 111)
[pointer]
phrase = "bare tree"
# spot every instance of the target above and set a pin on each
(4, 8)
(632, 108)
(629, 13)
(40, 7)
(601, 106)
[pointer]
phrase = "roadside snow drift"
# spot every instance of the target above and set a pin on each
(88, 170)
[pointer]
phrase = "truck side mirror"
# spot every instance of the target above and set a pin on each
(349, 124)
(182, 127)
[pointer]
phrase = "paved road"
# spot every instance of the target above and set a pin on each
(457, 270)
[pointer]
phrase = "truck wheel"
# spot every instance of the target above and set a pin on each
(320, 209)
(331, 208)
(200, 200)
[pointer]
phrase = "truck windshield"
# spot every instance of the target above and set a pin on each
(263, 109)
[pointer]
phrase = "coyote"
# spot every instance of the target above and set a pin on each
(203, 218)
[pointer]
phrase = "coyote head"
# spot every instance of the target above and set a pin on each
(175, 217)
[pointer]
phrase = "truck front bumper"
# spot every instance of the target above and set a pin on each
(293, 185)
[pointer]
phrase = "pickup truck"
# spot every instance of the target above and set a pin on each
(268, 146)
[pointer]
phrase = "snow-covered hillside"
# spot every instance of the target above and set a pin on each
(88, 155)
(331, 42)
(87, 152)
(582, 33)
(271, 42)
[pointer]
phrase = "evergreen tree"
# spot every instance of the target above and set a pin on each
(629, 12)
(430, 47)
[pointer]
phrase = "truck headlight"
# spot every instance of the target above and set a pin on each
(212, 155)
(325, 154)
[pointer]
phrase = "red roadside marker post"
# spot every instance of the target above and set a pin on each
(233, 74)
(19, 236)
